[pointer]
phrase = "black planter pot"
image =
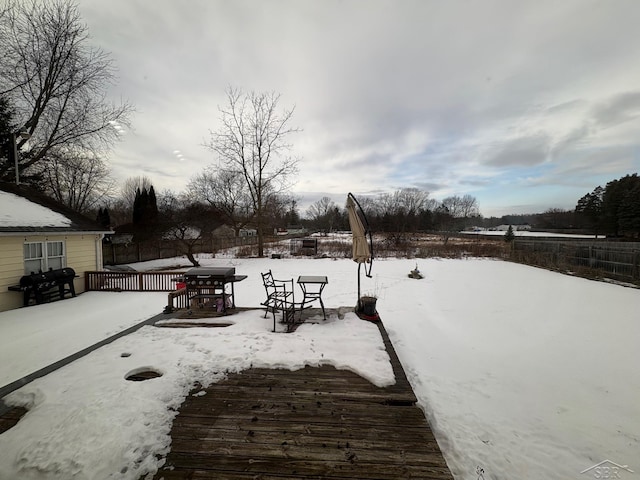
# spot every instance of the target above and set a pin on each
(367, 306)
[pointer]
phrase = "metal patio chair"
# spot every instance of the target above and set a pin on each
(280, 299)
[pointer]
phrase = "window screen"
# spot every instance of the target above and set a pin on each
(55, 255)
(33, 258)
(41, 256)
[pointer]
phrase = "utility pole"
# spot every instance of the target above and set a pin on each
(14, 146)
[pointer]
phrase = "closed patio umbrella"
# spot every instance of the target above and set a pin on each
(362, 249)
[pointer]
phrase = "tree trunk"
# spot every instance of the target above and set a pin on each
(192, 259)
(260, 242)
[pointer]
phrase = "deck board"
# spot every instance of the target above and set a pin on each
(10, 416)
(311, 423)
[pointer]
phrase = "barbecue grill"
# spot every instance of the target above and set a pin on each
(210, 284)
(45, 286)
(208, 276)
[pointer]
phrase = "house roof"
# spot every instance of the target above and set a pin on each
(24, 210)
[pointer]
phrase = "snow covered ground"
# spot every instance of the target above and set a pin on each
(528, 233)
(42, 334)
(522, 372)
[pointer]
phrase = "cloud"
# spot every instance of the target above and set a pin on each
(453, 97)
(617, 109)
(526, 151)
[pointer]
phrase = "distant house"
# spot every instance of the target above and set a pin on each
(224, 231)
(296, 230)
(504, 228)
(38, 234)
(292, 230)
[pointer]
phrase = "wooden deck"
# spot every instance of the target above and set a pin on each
(318, 423)
(10, 416)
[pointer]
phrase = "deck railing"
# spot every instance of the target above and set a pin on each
(132, 281)
(140, 282)
(177, 300)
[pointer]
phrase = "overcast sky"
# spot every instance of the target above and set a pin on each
(526, 105)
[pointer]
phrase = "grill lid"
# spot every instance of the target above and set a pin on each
(210, 272)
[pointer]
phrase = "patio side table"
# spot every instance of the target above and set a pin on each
(312, 287)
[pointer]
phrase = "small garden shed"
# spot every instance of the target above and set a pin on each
(38, 234)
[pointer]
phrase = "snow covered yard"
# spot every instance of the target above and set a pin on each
(522, 372)
(33, 338)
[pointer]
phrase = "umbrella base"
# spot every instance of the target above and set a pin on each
(366, 309)
(371, 318)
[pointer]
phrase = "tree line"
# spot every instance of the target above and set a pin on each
(185, 219)
(52, 90)
(405, 211)
(613, 210)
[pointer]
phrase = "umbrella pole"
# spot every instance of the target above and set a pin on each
(359, 265)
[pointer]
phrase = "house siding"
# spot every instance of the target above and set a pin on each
(12, 262)
(80, 250)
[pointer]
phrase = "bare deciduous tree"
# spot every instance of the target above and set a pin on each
(399, 211)
(56, 81)
(461, 207)
(131, 185)
(253, 141)
(5, 8)
(456, 211)
(187, 223)
(320, 208)
(452, 206)
(226, 191)
(80, 180)
(469, 206)
(324, 214)
(412, 200)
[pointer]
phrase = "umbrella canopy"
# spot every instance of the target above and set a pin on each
(361, 251)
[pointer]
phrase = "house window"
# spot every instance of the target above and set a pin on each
(41, 256)
(55, 255)
(33, 257)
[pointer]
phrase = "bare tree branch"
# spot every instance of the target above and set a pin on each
(226, 191)
(56, 80)
(79, 180)
(253, 142)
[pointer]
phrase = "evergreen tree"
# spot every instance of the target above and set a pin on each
(629, 212)
(509, 236)
(612, 202)
(103, 217)
(137, 210)
(145, 213)
(152, 208)
(6, 129)
(590, 206)
(144, 207)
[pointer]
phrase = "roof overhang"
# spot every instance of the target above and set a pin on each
(52, 232)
